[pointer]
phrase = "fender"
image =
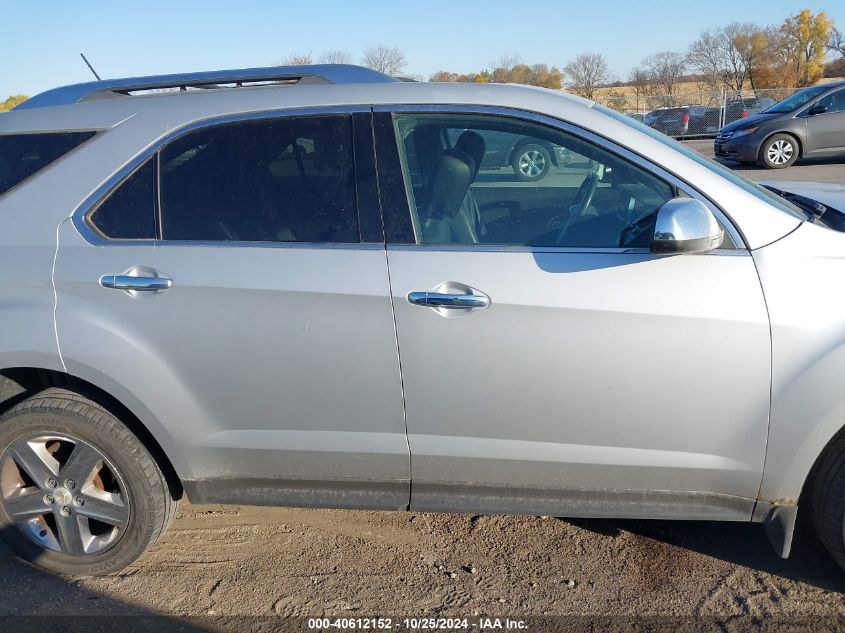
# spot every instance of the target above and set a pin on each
(801, 276)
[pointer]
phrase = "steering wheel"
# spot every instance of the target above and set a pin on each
(582, 201)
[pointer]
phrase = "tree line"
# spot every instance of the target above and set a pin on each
(788, 55)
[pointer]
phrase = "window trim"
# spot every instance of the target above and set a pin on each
(80, 217)
(559, 124)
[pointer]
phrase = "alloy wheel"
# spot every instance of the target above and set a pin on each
(63, 494)
(780, 152)
(531, 163)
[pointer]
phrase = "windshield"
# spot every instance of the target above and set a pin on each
(795, 101)
(728, 174)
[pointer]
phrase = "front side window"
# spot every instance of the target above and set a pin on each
(478, 179)
(795, 101)
(24, 155)
(834, 102)
(272, 180)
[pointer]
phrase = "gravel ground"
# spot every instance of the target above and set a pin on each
(227, 560)
(238, 561)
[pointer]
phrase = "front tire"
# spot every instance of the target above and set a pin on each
(531, 162)
(827, 499)
(79, 493)
(778, 151)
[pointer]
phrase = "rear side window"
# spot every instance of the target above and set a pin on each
(24, 155)
(280, 180)
(128, 213)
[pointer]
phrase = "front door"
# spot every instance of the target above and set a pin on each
(826, 131)
(551, 363)
(267, 354)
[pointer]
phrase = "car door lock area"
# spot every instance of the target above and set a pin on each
(450, 299)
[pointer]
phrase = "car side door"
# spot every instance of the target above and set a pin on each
(551, 363)
(826, 130)
(230, 287)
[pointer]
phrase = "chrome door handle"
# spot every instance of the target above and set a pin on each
(130, 282)
(447, 300)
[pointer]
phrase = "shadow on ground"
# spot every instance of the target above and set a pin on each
(741, 544)
(37, 601)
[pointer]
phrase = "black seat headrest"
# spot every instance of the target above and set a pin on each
(449, 183)
(473, 144)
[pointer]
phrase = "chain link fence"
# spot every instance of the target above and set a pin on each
(691, 113)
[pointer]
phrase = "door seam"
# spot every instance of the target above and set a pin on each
(393, 314)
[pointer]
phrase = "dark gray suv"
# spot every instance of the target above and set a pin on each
(809, 123)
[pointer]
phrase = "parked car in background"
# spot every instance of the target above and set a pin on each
(649, 117)
(293, 286)
(743, 108)
(809, 123)
(529, 159)
(707, 122)
(679, 121)
(636, 116)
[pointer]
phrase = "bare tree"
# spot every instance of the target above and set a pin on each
(336, 57)
(507, 62)
(639, 79)
(706, 55)
(837, 42)
(666, 69)
(385, 59)
(297, 59)
(586, 72)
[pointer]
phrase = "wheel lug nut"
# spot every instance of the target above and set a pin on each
(70, 484)
(52, 483)
(48, 499)
(79, 501)
(65, 511)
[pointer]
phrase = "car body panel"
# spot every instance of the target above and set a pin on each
(588, 371)
(252, 367)
(800, 275)
(825, 133)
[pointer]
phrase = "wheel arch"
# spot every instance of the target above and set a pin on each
(786, 133)
(20, 383)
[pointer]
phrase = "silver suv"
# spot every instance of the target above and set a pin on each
(305, 286)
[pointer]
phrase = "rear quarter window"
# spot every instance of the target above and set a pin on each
(24, 155)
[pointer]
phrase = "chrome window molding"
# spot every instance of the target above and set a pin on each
(80, 215)
(588, 135)
(517, 248)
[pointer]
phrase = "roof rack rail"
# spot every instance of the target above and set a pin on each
(115, 88)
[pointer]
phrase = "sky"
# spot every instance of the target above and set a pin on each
(41, 39)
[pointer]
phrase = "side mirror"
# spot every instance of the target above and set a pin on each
(685, 225)
(817, 109)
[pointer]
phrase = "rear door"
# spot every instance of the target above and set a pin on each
(263, 346)
(551, 363)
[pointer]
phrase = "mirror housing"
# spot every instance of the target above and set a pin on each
(817, 109)
(685, 225)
